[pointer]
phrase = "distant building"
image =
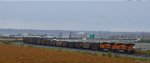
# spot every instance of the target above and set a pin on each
(24, 34)
(70, 35)
(5, 35)
(60, 35)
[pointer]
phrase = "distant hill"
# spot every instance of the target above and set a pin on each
(16, 31)
(75, 33)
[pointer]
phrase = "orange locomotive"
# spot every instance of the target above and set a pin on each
(105, 46)
(122, 47)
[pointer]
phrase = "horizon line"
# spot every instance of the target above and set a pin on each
(73, 30)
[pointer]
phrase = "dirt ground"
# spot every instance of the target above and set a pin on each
(18, 54)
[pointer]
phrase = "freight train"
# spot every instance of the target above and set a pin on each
(104, 46)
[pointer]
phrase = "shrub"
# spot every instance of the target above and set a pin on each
(7, 42)
(109, 54)
(116, 56)
(103, 54)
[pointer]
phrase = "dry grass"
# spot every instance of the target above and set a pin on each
(18, 54)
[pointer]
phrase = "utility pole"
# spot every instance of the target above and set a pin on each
(70, 35)
(60, 35)
(99, 35)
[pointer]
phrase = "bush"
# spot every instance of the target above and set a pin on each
(109, 54)
(7, 42)
(116, 56)
(103, 54)
(143, 52)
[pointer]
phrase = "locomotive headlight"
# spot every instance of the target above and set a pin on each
(134, 47)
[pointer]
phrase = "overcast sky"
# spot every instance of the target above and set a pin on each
(76, 15)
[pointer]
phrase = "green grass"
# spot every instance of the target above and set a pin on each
(140, 59)
(7, 42)
(144, 52)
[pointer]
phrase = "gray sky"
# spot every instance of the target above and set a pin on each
(76, 15)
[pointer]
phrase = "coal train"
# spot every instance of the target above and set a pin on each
(104, 46)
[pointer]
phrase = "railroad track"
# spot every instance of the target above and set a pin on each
(86, 51)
